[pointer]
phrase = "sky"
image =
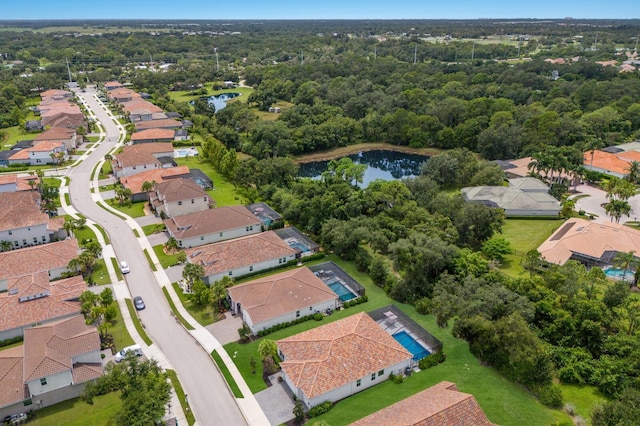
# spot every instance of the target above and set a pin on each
(316, 9)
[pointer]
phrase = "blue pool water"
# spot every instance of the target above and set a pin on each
(617, 274)
(411, 345)
(299, 246)
(338, 288)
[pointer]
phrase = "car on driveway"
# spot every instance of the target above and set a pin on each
(124, 267)
(138, 303)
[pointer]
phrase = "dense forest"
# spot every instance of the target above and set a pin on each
(420, 84)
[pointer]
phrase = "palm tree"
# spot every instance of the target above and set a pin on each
(633, 170)
(624, 261)
(5, 245)
(617, 208)
(171, 245)
(148, 187)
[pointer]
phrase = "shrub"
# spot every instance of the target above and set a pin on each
(396, 378)
(549, 395)
(423, 305)
(432, 360)
(320, 409)
(318, 316)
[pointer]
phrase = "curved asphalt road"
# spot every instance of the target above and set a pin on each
(208, 394)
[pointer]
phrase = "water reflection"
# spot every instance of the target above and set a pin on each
(385, 165)
(220, 101)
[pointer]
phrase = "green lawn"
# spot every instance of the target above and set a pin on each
(181, 396)
(137, 323)
(202, 314)
(525, 235)
(583, 398)
(74, 412)
(132, 209)
(166, 260)
(174, 310)
(116, 267)
(225, 192)
(227, 375)
(104, 170)
(153, 229)
(9, 136)
(185, 96)
(504, 402)
(118, 330)
(100, 273)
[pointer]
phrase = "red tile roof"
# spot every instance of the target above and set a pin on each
(45, 257)
(60, 302)
(20, 210)
(56, 133)
(45, 146)
(279, 294)
(439, 405)
(211, 221)
(12, 388)
(50, 348)
(167, 123)
(240, 252)
(153, 134)
(616, 163)
(54, 92)
(179, 189)
(333, 355)
(134, 182)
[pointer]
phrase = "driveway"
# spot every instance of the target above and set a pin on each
(226, 331)
(277, 403)
(592, 203)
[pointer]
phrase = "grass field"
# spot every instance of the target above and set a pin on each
(583, 398)
(504, 402)
(166, 260)
(202, 314)
(525, 235)
(74, 412)
(132, 209)
(227, 375)
(118, 330)
(181, 396)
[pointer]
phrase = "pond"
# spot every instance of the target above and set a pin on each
(381, 164)
(220, 101)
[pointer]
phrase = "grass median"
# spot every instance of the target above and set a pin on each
(227, 375)
(177, 314)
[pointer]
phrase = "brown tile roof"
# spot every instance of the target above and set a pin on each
(22, 154)
(64, 119)
(590, 239)
(616, 163)
(23, 182)
(134, 157)
(522, 169)
(179, 189)
(60, 108)
(110, 84)
(6, 179)
(153, 134)
(134, 183)
(232, 254)
(333, 355)
(439, 405)
(54, 92)
(45, 257)
(12, 388)
(20, 210)
(150, 147)
(280, 294)
(61, 301)
(55, 133)
(83, 372)
(122, 92)
(56, 223)
(45, 146)
(167, 123)
(211, 221)
(140, 106)
(50, 348)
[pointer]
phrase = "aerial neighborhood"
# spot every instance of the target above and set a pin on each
(350, 234)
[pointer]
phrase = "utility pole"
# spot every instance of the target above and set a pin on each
(69, 70)
(215, 49)
(636, 48)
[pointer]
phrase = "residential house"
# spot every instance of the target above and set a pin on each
(519, 168)
(167, 123)
(56, 94)
(139, 158)
(22, 222)
(269, 217)
(594, 244)
(47, 152)
(122, 95)
(14, 182)
(135, 182)
(281, 298)
(296, 239)
(112, 85)
(179, 196)
(440, 405)
(212, 225)
(52, 258)
(32, 299)
(53, 365)
(181, 135)
(58, 118)
(336, 360)
(66, 135)
(153, 135)
(523, 198)
(612, 164)
(241, 256)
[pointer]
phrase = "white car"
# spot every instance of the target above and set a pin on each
(124, 268)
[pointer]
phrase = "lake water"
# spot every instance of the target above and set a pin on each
(220, 101)
(381, 164)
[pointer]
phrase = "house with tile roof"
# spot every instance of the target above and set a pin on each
(111, 85)
(52, 258)
(612, 164)
(179, 196)
(339, 359)
(212, 225)
(134, 182)
(23, 224)
(39, 154)
(70, 119)
(241, 256)
(33, 299)
(60, 134)
(153, 135)
(280, 298)
(122, 95)
(594, 244)
(166, 123)
(17, 182)
(56, 94)
(135, 159)
(12, 389)
(440, 405)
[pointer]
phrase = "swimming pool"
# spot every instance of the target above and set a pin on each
(185, 152)
(299, 246)
(410, 344)
(617, 274)
(340, 289)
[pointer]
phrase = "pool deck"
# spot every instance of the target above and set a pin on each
(392, 325)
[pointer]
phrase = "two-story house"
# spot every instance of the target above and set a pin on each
(153, 135)
(179, 196)
(23, 224)
(212, 226)
(59, 134)
(139, 158)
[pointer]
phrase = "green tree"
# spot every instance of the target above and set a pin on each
(267, 349)
(496, 248)
(625, 261)
(191, 273)
(144, 391)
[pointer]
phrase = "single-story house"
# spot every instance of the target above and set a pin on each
(212, 225)
(56, 94)
(519, 168)
(111, 85)
(280, 298)
(514, 202)
(15, 182)
(529, 184)
(594, 244)
(439, 405)
(241, 256)
(33, 299)
(153, 135)
(339, 359)
(610, 163)
(142, 157)
(59, 134)
(179, 196)
(52, 258)
(53, 365)
(135, 182)
(167, 123)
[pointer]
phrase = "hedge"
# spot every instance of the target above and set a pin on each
(317, 316)
(320, 409)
